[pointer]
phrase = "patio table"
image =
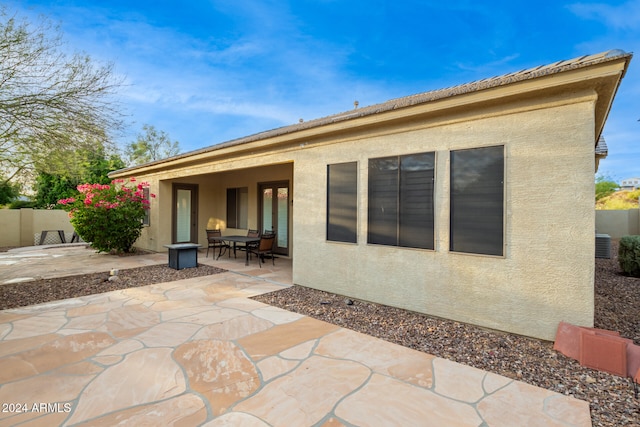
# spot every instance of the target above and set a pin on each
(238, 239)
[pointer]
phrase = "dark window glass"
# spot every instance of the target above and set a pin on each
(237, 207)
(401, 201)
(477, 200)
(342, 202)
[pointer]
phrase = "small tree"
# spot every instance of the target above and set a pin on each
(150, 146)
(605, 186)
(108, 215)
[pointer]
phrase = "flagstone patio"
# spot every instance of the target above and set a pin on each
(199, 352)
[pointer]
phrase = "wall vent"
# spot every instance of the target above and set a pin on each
(603, 246)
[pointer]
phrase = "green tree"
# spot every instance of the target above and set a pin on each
(98, 165)
(51, 104)
(8, 192)
(51, 188)
(150, 146)
(605, 186)
(85, 166)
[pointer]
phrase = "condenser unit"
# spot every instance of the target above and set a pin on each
(603, 246)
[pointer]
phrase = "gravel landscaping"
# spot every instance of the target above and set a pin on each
(617, 307)
(45, 290)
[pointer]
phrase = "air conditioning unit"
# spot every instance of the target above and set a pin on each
(603, 246)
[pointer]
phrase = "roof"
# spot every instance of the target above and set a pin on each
(412, 100)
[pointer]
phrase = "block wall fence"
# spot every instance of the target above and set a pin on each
(22, 227)
(618, 223)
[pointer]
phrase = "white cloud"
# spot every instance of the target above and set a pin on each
(625, 16)
(489, 67)
(268, 68)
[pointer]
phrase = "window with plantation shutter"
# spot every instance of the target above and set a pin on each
(400, 197)
(342, 202)
(477, 201)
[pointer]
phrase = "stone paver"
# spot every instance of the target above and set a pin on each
(198, 352)
(218, 370)
(306, 394)
(404, 405)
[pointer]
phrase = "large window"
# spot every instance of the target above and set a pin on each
(477, 200)
(237, 207)
(401, 201)
(342, 202)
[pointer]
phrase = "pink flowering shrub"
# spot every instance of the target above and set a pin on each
(109, 215)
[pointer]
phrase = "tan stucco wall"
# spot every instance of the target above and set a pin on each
(20, 225)
(10, 226)
(547, 272)
(51, 220)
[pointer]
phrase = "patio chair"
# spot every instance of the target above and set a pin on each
(267, 240)
(250, 233)
(214, 241)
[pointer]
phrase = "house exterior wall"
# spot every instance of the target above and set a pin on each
(547, 272)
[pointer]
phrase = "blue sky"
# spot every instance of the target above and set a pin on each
(207, 72)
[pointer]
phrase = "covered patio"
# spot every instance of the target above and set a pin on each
(232, 200)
